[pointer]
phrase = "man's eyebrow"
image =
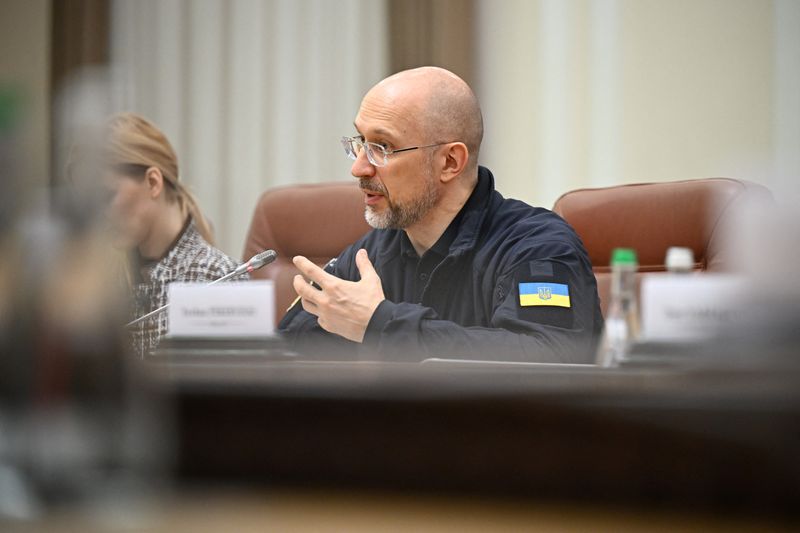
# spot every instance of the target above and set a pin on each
(385, 132)
(377, 131)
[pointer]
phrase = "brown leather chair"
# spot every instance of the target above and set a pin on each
(651, 217)
(315, 220)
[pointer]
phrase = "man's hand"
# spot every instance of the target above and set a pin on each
(341, 307)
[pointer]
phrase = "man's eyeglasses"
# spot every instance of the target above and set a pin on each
(377, 154)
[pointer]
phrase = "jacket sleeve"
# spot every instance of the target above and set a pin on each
(516, 332)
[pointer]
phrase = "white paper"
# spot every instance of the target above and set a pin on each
(235, 309)
(690, 307)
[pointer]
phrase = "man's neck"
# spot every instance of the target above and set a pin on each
(424, 234)
(166, 229)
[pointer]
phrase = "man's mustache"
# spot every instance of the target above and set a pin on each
(371, 186)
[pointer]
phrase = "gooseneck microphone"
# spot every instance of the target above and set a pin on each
(259, 260)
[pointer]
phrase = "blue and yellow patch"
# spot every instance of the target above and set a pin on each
(553, 294)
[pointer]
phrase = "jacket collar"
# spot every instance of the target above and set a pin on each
(472, 216)
(474, 213)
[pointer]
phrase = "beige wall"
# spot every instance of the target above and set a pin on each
(575, 93)
(696, 84)
(589, 93)
(24, 64)
(253, 94)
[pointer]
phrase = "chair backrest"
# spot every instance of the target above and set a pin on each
(315, 220)
(651, 217)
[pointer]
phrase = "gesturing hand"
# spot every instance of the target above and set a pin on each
(341, 307)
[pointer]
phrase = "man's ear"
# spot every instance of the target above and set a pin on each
(155, 181)
(456, 156)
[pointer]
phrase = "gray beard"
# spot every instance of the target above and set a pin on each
(403, 216)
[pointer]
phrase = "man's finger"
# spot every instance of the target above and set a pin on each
(364, 265)
(312, 271)
(305, 290)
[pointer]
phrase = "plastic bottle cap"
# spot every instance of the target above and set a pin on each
(623, 256)
(679, 259)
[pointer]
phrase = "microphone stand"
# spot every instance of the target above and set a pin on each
(243, 269)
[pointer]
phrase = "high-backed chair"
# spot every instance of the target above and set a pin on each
(315, 220)
(651, 217)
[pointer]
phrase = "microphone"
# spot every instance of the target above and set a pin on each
(259, 260)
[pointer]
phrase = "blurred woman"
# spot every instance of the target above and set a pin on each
(156, 219)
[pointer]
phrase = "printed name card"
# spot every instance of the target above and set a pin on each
(235, 309)
(691, 307)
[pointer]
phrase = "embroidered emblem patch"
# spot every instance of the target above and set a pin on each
(552, 294)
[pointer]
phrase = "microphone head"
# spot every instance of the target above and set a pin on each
(261, 259)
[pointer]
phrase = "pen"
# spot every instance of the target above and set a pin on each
(328, 264)
(299, 297)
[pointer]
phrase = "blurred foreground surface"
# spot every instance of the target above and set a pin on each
(248, 510)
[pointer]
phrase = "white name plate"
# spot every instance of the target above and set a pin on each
(690, 307)
(234, 309)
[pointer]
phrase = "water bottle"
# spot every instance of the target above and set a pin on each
(622, 318)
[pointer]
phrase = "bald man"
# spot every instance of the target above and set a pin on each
(451, 268)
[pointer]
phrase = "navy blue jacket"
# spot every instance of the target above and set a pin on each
(466, 304)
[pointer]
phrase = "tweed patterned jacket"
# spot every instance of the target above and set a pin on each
(190, 258)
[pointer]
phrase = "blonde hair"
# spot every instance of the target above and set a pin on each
(133, 141)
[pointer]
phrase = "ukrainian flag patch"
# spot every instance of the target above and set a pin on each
(552, 294)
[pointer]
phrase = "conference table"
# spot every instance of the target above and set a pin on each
(261, 438)
(712, 434)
